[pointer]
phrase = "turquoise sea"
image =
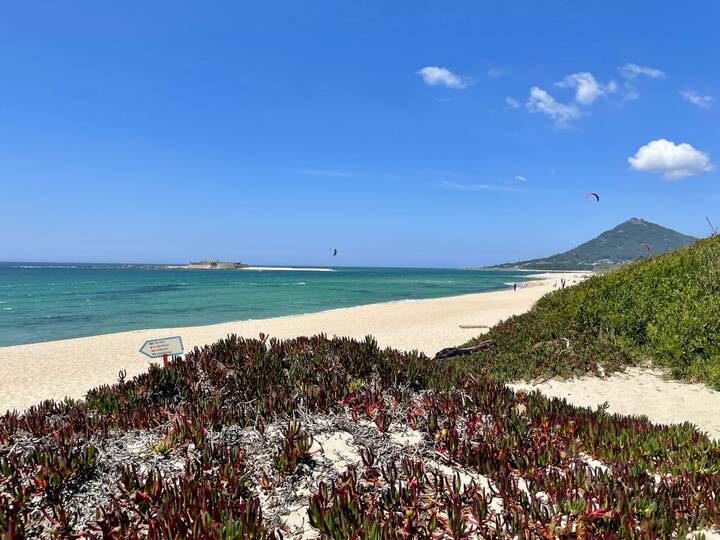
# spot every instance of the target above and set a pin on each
(45, 302)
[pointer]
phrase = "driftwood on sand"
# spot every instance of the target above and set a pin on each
(459, 351)
(474, 326)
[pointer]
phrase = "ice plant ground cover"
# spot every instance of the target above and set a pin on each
(336, 438)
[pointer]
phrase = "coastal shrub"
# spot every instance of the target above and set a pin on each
(664, 310)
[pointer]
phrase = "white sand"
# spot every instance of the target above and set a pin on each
(641, 392)
(53, 370)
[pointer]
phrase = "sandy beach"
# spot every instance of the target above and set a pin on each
(53, 370)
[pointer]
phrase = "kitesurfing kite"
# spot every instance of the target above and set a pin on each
(593, 194)
(646, 247)
(333, 251)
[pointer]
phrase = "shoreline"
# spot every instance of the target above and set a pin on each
(55, 369)
(538, 280)
(285, 269)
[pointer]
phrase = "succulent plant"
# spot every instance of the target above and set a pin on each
(539, 467)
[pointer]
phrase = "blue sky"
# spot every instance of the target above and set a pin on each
(394, 131)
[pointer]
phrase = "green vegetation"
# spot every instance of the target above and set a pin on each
(664, 310)
(631, 240)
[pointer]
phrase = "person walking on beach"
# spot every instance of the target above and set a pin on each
(514, 287)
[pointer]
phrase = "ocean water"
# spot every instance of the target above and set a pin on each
(44, 302)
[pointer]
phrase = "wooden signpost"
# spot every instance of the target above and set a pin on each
(169, 346)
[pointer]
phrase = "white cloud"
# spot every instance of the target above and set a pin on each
(474, 187)
(520, 178)
(434, 76)
(674, 161)
(696, 99)
(512, 103)
(630, 71)
(541, 101)
(587, 88)
(497, 72)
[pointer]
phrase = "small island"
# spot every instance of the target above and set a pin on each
(216, 265)
(226, 265)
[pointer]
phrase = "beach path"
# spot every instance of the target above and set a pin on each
(639, 391)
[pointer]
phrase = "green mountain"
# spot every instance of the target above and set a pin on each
(662, 310)
(633, 239)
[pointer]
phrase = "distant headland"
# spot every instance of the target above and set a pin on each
(634, 239)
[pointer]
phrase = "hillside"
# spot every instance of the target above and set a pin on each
(631, 240)
(663, 310)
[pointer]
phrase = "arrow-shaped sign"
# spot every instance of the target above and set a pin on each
(169, 346)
